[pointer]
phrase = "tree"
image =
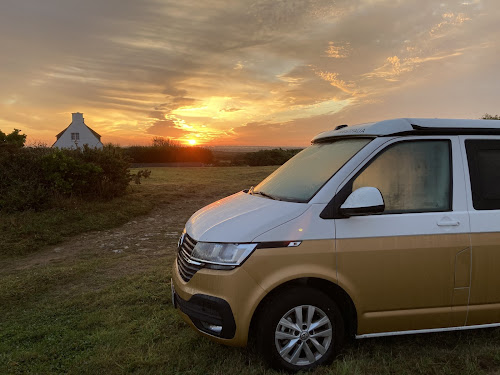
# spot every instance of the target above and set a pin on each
(12, 140)
(490, 117)
(164, 142)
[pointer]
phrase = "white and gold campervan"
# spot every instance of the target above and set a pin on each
(377, 229)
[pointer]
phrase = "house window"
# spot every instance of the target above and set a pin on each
(75, 136)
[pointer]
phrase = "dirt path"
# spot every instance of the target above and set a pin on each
(153, 235)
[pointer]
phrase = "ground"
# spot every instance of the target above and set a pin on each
(99, 302)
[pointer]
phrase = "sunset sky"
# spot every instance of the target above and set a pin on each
(273, 72)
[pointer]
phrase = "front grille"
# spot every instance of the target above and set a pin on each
(187, 266)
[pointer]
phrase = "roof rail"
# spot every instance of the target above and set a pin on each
(455, 131)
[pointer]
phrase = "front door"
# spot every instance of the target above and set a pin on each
(408, 268)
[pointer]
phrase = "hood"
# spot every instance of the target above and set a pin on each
(241, 217)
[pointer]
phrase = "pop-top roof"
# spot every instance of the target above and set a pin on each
(414, 126)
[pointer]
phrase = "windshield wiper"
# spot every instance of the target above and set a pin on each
(265, 195)
(251, 191)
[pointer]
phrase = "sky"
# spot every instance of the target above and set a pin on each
(242, 72)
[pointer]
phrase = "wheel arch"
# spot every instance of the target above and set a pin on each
(334, 291)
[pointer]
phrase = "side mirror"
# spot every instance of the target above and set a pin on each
(363, 201)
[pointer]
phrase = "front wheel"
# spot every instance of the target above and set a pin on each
(299, 329)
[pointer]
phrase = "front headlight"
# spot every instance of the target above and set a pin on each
(227, 255)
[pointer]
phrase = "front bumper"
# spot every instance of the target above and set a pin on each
(219, 304)
(209, 314)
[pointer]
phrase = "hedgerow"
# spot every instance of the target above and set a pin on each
(34, 178)
(168, 151)
(275, 156)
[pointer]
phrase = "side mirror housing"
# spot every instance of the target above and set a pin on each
(363, 201)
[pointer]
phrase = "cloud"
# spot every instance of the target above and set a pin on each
(232, 109)
(189, 68)
(338, 50)
(297, 132)
(449, 20)
(335, 80)
(166, 128)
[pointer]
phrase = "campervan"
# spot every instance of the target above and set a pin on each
(385, 228)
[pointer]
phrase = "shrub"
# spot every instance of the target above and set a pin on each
(22, 185)
(32, 178)
(115, 176)
(69, 175)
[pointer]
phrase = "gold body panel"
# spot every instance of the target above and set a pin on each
(402, 283)
(236, 287)
(244, 287)
(484, 306)
(398, 283)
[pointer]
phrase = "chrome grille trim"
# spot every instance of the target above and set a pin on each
(190, 242)
(186, 265)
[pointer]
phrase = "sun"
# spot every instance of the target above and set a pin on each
(192, 142)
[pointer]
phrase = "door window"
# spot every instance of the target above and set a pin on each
(413, 176)
(483, 157)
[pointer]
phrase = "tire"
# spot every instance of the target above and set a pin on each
(286, 347)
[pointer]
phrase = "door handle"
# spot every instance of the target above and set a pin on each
(448, 223)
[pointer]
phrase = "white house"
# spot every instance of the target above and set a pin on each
(77, 134)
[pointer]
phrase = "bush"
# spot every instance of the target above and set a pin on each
(33, 178)
(67, 175)
(21, 180)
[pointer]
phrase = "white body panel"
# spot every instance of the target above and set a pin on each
(241, 217)
(247, 218)
(411, 224)
(307, 226)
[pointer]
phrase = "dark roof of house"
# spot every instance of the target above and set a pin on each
(96, 134)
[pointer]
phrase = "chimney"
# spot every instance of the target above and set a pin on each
(77, 117)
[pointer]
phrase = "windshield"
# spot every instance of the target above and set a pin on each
(303, 175)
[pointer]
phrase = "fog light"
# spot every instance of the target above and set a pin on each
(212, 327)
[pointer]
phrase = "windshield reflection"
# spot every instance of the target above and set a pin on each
(300, 178)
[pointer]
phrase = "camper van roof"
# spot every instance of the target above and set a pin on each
(413, 126)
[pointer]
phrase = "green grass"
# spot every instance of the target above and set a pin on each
(25, 232)
(92, 311)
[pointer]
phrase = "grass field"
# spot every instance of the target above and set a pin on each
(99, 302)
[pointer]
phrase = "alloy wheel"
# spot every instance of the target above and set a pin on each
(303, 335)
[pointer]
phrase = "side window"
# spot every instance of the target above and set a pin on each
(413, 176)
(483, 157)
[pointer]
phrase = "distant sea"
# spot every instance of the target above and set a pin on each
(250, 148)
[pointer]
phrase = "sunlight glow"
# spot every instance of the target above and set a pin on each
(192, 142)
